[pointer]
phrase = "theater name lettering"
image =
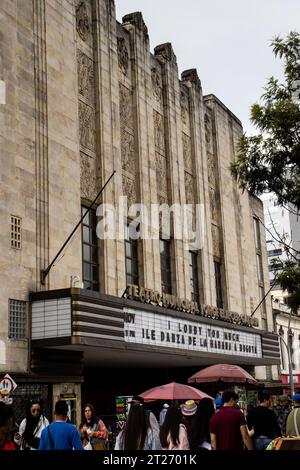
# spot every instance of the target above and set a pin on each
(165, 331)
(173, 302)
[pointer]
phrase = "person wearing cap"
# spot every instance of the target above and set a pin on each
(188, 410)
(293, 419)
(282, 411)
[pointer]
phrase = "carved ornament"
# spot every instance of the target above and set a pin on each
(87, 177)
(85, 76)
(159, 131)
(123, 57)
(86, 126)
(156, 83)
(82, 21)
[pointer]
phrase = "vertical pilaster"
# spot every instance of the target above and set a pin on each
(108, 135)
(41, 141)
(197, 132)
(174, 151)
(144, 136)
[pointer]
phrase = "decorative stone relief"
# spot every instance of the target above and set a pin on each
(208, 133)
(87, 177)
(191, 75)
(68, 388)
(215, 240)
(85, 76)
(127, 149)
(159, 131)
(162, 199)
(189, 188)
(161, 174)
(156, 83)
(129, 189)
(213, 203)
(126, 114)
(137, 20)
(187, 152)
(123, 57)
(165, 52)
(82, 21)
(190, 197)
(211, 169)
(207, 128)
(184, 102)
(86, 126)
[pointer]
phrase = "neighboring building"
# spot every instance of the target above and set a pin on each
(281, 223)
(85, 97)
(287, 326)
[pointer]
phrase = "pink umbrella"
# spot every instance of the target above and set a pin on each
(173, 391)
(224, 373)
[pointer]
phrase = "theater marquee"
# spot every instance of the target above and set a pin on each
(165, 331)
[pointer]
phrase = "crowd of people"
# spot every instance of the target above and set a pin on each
(202, 425)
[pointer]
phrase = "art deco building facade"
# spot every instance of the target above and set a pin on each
(84, 97)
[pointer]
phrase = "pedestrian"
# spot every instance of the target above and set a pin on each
(93, 429)
(228, 430)
(188, 410)
(6, 423)
(173, 434)
(136, 400)
(163, 413)
(60, 435)
(263, 420)
(218, 401)
(293, 419)
(138, 433)
(200, 431)
(282, 411)
(31, 427)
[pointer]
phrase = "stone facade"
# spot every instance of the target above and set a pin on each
(85, 97)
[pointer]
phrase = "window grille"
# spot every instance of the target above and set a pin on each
(15, 237)
(17, 319)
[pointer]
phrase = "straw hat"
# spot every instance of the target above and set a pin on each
(189, 408)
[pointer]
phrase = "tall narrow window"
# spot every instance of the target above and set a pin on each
(218, 280)
(131, 258)
(15, 232)
(194, 278)
(165, 266)
(90, 266)
(17, 319)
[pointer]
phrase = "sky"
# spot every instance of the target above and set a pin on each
(227, 41)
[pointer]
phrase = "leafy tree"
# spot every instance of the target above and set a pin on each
(270, 161)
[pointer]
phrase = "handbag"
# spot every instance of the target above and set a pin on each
(88, 446)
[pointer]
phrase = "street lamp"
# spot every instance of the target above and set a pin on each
(288, 348)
